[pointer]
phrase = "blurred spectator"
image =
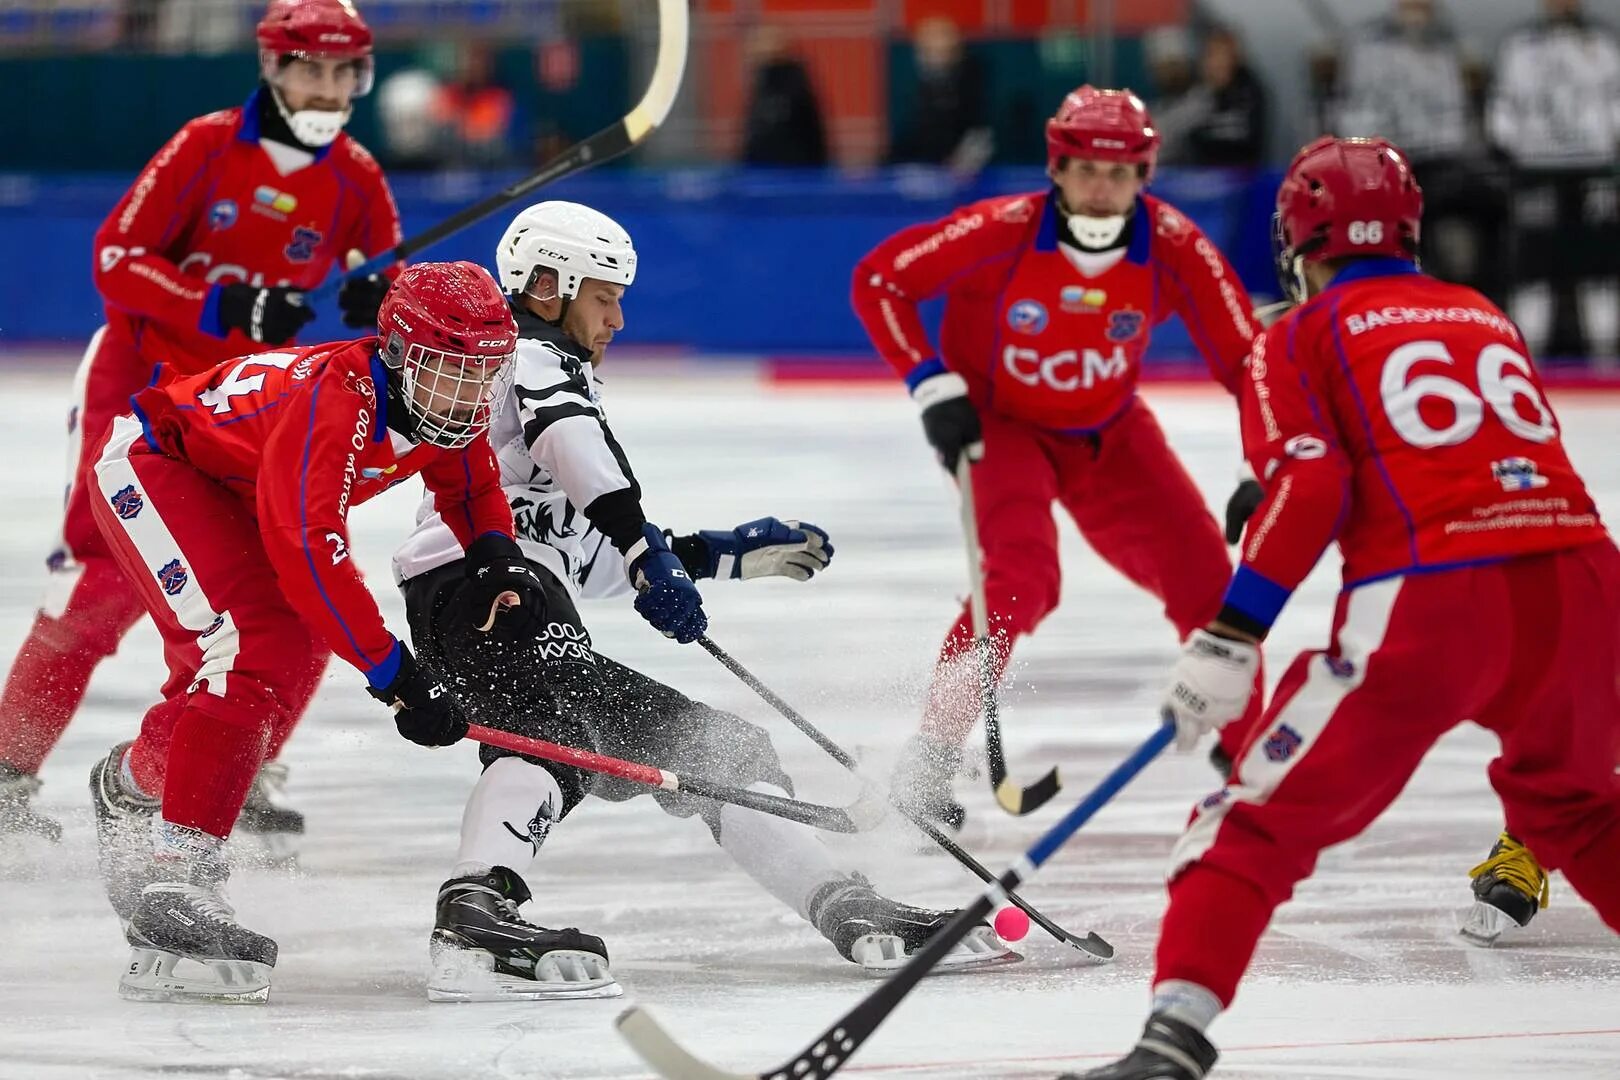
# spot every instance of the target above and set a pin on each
(1176, 109)
(783, 126)
(1222, 120)
(1555, 116)
(948, 125)
(1407, 78)
(413, 138)
(476, 111)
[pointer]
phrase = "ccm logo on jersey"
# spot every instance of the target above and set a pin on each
(1067, 370)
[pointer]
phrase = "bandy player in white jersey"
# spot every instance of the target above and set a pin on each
(577, 508)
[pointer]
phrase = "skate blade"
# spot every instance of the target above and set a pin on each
(156, 975)
(469, 975)
(879, 954)
(1483, 924)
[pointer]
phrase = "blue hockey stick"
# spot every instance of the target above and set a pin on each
(834, 1046)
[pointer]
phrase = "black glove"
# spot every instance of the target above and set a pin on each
(270, 316)
(360, 298)
(425, 711)
(949, 419)
(1245, 500)
(504, 593)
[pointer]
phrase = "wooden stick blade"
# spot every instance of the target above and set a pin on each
(1026, 800)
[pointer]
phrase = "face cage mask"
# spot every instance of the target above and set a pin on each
(1289, 265)
(453, 398)
(1097, 233)
(316, 127)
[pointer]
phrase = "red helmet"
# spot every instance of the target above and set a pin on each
(314, 28)
(448, 330)
(1104, 125)
(1343, 198)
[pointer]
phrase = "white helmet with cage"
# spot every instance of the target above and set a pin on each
(574, 241)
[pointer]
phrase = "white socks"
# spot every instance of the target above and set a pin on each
(787, 859)
(509, 813)
(1187, 1002)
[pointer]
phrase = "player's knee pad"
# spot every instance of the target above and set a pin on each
(575, 783)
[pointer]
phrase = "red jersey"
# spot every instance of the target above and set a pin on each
(301, 435)
(1401, 415)
(212, 208)
(1035, 338)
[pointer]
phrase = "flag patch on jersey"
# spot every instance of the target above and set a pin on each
(1124, 325)
(1281, 744)
(173, 576)
(127, 502)
(1079, 300)
(279, 201)
(1517, 474)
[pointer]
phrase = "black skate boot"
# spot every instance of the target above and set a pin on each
(123, 833)
(185, 943)
(879, 934)
(922, 780)
(484, 950)
(1169, 1049)
(17, 818)
(267, 815)
(1509, 888)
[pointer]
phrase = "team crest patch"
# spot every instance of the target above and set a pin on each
(1124, 325)
(1027, 317)
(302, 248)
(213, 627)
(222, 215)
(173, 576)
(127, 502)
(1282, 744)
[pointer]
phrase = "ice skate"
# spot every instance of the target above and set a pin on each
(17, 817)
(923, 778)
(123, 833)
(185, 943)
(483, 949)
(1168, 1050)
(1509, 888)
(879, 934)
(269, 818)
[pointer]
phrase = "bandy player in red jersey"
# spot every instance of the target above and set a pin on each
(204, 258)
(224, 497)
(1050, 300)
(1400, 416)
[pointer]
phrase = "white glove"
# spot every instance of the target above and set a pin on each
(1210, 685)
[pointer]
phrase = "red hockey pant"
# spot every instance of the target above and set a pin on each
(1527, 648)
(1133, 503)
(240, 659)
(90, 603)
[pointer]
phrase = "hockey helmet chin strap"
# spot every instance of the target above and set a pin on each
(528, 291)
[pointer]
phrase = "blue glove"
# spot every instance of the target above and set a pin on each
(766, 547)
(665, 595)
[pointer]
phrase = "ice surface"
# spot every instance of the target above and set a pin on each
(1361, 976)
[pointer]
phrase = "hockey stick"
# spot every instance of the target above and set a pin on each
(833, 1047)
(1092, 946)
(1013, 798)
(859, 816)
(617, 138)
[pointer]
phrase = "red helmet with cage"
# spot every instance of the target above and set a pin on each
(314, 28)
(1343, 198)
(1103, 125)
(449, 332)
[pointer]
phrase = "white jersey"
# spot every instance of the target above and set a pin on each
(563, 472)
(1557, 98)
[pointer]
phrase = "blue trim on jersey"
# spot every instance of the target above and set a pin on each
(379, 385)
(1383, 266)
(146, 427)
(248, 416)
(1372, 442)
(466, 491)
(209, 322)
(1103, 425)
(303, 538)
(1419, 569)
(1140, 248)
(1046, 236)
(1256, 595)
(925, 370)
(249, 130)
(386, 672)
